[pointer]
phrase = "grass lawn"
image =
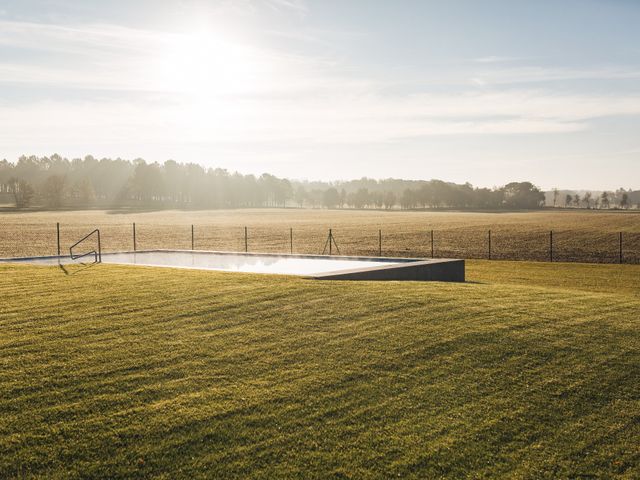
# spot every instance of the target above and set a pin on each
(529, 370)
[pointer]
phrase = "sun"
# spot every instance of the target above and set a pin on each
(205, 65)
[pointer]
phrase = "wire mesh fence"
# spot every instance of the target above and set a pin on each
(592, 246)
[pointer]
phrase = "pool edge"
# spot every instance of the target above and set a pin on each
(399, 268)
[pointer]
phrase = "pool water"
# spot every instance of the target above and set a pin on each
(251, 263)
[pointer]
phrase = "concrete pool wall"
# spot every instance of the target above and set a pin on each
(320, 267)
(441, 270)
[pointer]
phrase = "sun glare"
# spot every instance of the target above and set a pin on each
(205, 66)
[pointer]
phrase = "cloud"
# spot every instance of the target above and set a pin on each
(202, 89)
(111, 57)
(495, 59)
(538, 74)
(78, 39)
(298, 6)
(332, 119)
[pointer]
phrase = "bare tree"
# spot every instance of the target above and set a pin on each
(587, 199)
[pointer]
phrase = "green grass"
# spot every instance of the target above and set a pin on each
(620, 279)
(528, 371)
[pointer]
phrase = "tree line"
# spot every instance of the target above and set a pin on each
(603, 200)
(56, 182)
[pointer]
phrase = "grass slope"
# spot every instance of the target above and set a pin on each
(121, 372)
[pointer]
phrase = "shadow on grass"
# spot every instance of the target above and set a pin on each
(72, 269)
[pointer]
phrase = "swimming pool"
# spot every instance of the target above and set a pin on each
(316, 266)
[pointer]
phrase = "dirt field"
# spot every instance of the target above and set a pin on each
(586, 236)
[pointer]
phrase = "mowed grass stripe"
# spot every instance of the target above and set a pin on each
(203, 374)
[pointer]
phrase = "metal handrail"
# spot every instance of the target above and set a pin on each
(92, 252)
(97, 254)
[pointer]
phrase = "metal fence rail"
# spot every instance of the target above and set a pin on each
(592, 246)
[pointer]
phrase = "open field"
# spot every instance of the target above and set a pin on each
(584, 236)
(530, 370)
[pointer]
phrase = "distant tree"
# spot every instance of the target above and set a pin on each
(523, 195)
(389, 199)
(300, 196)
(53, 191)
(284, 192)
(488, 198)
(268, 186)
(604, 199)
(568, 200)
(463, 196)
(147, 183)
(556, 193)
(85, 192)
(587, 199)
(440, 193)
(315, 197)
(378, 199)
(6, 172)
(425, 195)
(624, 200)
(361, 198)
(576, 200)
(117, 182)
(176, 181)
(408, 199)
(330, 197)
(22, 192)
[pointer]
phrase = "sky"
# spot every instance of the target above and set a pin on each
(486, 92)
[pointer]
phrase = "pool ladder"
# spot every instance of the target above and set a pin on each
(97, 254)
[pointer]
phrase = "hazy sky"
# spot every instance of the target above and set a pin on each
(486, 92)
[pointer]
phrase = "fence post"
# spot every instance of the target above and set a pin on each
(431, 243)
(489, 244)
(246, 242)
(99, 247)
(620, 247)
(192, 241)
(380, 242)
(551, 245)
(291, 241)
(330, 241)
(58, 236)
(134, 236)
